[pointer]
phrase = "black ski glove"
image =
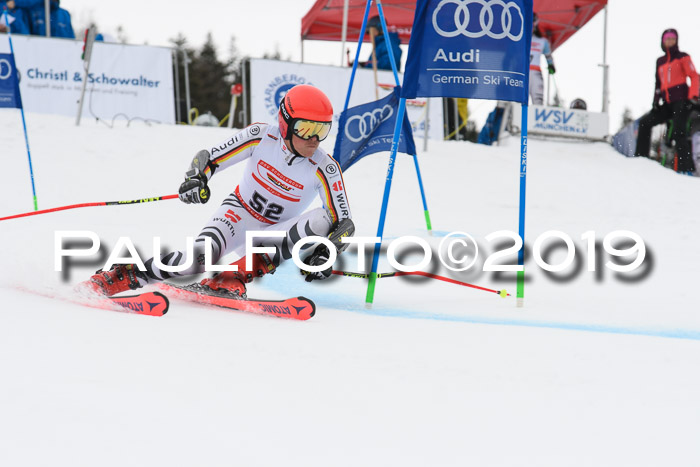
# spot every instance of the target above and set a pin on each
(551, 69)
(194, 189)
(339, 230)
(318, 257)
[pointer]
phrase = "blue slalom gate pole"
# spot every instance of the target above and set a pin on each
(422, 194)
(394, 146)
(520, 294)
(357, 55)
(395, 68)
(21, 108)
(385, 201)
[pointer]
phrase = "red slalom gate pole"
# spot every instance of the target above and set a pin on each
(361, 275)
(85, 205)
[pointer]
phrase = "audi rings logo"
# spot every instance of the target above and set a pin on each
(366, 123)
(5, 68)
(488, 12)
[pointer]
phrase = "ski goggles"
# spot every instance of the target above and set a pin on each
(307, 129)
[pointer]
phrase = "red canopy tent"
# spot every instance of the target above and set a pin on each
(324, 21)
(559, 19)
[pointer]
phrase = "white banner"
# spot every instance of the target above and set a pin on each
(570, 123)
(125, 81)
(271, 79)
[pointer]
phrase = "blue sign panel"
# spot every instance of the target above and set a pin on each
(369, 128)
(9, 83)
(470, 48)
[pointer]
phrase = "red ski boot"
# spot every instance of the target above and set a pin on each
(234, 282)
(120, 278)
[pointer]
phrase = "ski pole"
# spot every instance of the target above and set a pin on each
(85, 205)
(361, 275)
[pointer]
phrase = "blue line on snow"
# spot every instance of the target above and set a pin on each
(288, 280)
(690, 334)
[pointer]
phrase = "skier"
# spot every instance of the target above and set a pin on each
(677, 100)
(540, 45)
(284, 172)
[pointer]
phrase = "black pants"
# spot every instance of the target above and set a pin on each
(678, 112)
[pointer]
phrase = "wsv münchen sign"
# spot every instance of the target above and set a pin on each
(563, 122)
(134, 81)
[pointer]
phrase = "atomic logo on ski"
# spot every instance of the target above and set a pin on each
(157, 302)
(280, 308)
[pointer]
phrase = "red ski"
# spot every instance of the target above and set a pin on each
(300, 308)
(148, 303)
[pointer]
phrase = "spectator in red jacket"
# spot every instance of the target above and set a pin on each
(673, 100)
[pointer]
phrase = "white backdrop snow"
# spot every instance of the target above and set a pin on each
(593, 370)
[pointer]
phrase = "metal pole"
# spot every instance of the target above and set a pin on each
(506, 120)
(548, 84)
(456, 117)
(82, 95)
(177, 86)
(606, 90)
(232, 111)
(47, 15)
(302, 51)
(374, 63)
(344, 33)
(246, 89)
(87, 57)
(445, 117)
(187, 85)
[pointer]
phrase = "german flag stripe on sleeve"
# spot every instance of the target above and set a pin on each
(234, 151)
(342, 180)
(329, 196)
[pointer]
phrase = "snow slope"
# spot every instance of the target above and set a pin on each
(596, 369)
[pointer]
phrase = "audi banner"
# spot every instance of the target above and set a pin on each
(9, 88)
(470, 48)
(369, 128)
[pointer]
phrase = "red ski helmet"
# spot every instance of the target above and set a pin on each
(305, 111)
